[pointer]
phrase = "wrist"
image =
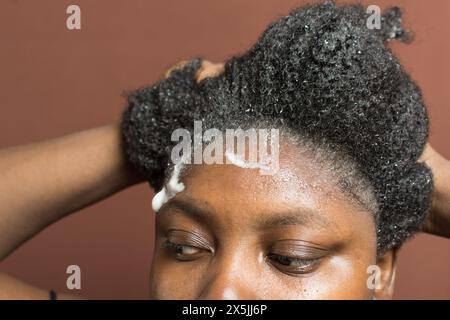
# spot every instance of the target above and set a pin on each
(127, 174)
(440, 210)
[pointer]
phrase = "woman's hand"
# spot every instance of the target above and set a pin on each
(207, 69)
(438, 220)
(41, 183)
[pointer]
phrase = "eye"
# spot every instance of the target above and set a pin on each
(184, 245)
(183, 252)
(291, 265)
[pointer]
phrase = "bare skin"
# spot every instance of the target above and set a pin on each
(296, 235)
(89, 166)
(438, 221)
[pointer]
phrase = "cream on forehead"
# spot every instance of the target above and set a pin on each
(170, 189)
(239, 162)
(174, 186)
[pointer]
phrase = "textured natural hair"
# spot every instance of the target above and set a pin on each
(322, 74)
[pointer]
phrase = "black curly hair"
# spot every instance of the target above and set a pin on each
(323, 74)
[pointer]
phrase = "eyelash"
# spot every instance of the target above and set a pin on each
(281, 262)
(176, 248)
(303, 265)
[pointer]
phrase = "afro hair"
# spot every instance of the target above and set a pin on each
(322, 73)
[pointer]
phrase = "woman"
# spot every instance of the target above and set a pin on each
(349, 190)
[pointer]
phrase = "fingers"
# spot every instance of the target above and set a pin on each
(432, 158)
(207, 69)
(427, 154)
(178, 65)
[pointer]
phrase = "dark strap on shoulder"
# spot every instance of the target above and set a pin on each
(52, 295)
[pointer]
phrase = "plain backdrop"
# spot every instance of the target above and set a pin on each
(54, 81)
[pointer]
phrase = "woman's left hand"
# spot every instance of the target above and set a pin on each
(206, 70)
(438, 220)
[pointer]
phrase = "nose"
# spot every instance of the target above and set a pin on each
(230, 279)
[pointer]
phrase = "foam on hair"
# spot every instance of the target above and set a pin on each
(321, 73)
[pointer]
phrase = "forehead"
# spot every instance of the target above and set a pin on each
(241, 196)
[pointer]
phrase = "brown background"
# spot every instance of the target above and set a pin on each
(54, 81)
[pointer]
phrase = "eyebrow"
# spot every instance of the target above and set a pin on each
(305, 217)
(188, 208)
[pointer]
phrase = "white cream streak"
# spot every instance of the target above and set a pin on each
(267, 165)
(239, 162)
(169, 190)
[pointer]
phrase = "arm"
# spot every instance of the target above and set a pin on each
(438, 221)
(43, 182)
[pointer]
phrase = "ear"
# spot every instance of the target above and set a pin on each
(387, 264)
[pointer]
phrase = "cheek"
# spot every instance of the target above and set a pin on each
(345, 278)
(174, 280)
(338, 278)
(344, 275)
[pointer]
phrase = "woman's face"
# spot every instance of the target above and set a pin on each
(236, 234)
